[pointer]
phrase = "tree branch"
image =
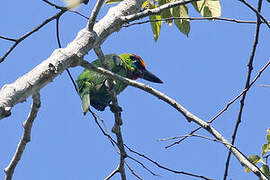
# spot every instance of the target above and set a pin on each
(188, 115)
(112, 173)
(165, 168)
(8, 39)
(242, 101)
(94, 13)
(18, 41)
(133, 172)
(257, 12)
(117, 117)
(193, 19)
(227, 105)
(9, 170)
(154, 11)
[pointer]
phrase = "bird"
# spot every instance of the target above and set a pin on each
(94, 88)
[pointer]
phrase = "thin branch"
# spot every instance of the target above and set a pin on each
(227, 105)
(158, 10)
(165, 168)
(258, 13)
(9, 39)
(242, 101)
(133, 172)
(93, 16)
(60, 46)
(113, 142)
(188, 115)
(112, 173)
(193, 19)
(194, 135)
(18, 41)
(263, 85)
(140, 163)
(65, 8)
(117, 117)
(105, 132)
(26, 137)
(54, 5)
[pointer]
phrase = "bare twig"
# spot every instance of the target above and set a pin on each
(165, 168)
(18, 41)
(112, 173)
(93, 16)
(227, 105)
(7, 38)
(9, 170)
(193, 19)
(147, 12)
(133, 172)
(113, 142)
(263, 85)
(65, 8)
(117, 117)
(140, 163)
(258, 13)
(105, 133)
(242, 101)
(54, 5)
(188, 115)
(194, 135)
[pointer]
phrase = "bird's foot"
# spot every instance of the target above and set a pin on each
(108, 85)
(115, 109)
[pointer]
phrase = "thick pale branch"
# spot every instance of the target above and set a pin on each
(188, 115)
(9, 170)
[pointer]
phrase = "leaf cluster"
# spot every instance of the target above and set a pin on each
(179, 15)
(255, 159)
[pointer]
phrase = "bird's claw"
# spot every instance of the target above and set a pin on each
(115, 109)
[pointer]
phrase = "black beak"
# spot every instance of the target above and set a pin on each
(145, 74)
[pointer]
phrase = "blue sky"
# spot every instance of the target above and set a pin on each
(202, 72)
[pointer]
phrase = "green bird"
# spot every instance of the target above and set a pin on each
(94, 87)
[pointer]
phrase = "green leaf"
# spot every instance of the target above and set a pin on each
(208, 8)
(265, 149)
(254, 159)
(167, 12)
(182, 24)
(145, 4)
(265, 170)
(156, 25)
(112, 1)
(268, 135)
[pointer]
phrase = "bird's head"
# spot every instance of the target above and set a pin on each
(137, 67)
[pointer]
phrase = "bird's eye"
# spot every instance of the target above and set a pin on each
(137, 62)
